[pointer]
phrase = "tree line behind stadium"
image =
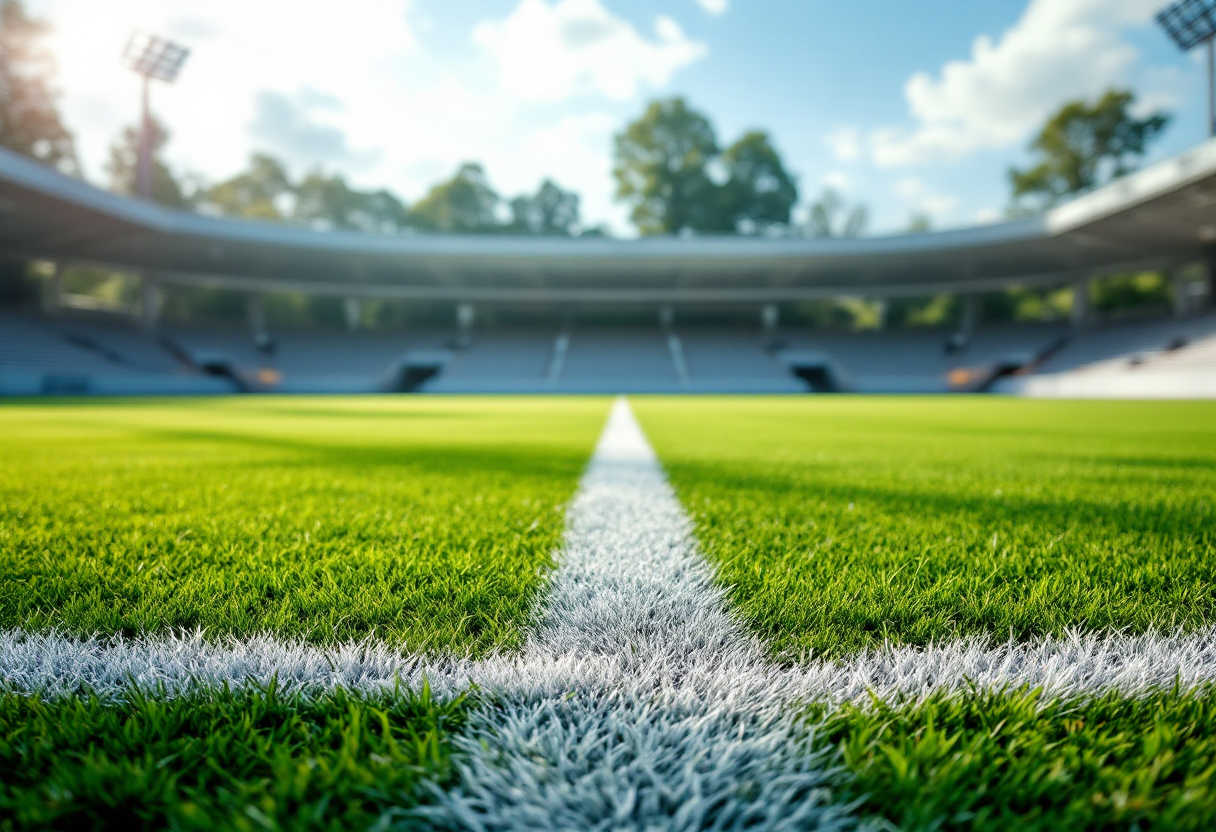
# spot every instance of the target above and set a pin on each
(670, 166)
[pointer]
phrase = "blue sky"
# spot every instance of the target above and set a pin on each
(903, 106)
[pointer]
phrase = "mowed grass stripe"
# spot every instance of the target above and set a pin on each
(840, 523)
(218, 759)
(1016, 759)
(427, 524)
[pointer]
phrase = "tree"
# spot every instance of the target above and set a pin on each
(662, 170)
(29, 121)
(920, 222)
(1083, 146)
(328, 202)
(551, 211)
(830, 216)
(167, 189)
(256, 193)
(664, 167)
(464, 204)
(759, 193)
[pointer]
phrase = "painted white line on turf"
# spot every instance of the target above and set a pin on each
(637, 696)
(51, 664)
(673, 728)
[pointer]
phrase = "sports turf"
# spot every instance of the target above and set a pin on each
(221, 760)
(1012, 760)
(838, 523)
(424, 523)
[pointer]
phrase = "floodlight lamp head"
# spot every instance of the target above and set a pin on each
(1189, 22)
(155, 57)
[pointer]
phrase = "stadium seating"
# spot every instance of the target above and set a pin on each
(501, 360)
(97, 355)
(916, 360)
(106, 353)
(733, 360)
(1166, 358)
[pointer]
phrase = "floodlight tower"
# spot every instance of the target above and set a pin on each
(1191, 23)
(152, 57)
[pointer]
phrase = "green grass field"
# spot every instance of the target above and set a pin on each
(424, 523)
(428, 523)
(839, 523)
(243, 761)
(1018, 760)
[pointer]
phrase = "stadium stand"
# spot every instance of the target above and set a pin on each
(503, 360)
(734, 360)
(1152, 358)
(92, 356)
(107, 354)
(917, 360)
(605, 359)
(308, 361)
(1159, 218)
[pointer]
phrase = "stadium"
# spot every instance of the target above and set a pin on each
(568, 293)
(307, 526)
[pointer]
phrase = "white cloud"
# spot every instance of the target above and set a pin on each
(212, 105)
(1058, 50)
(576, 154)
(838, 180)
(714, 7)
(845, 144)
(987, 216)
(549, 52)
(297, 129)
(921, 197)
(909, 187)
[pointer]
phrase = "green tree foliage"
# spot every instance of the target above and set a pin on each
(29, 121)
(1084, 145)
(167, 188)
(1130, 291)
(920, 222)
(831, 216)
(759, 192)
(265, 191)
(464, 204)
(551, 212)
(328, 202)
(1026, 303)
(661, 169)
(256, 193)
(936, 310)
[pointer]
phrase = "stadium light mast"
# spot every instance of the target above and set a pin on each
(1190, 23)
(152, 57)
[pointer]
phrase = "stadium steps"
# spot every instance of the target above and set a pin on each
(734, 360)
(76, 357)
(603, 359)
(506, 359)
(915, 360)
(1156, 358)
(1113, 345)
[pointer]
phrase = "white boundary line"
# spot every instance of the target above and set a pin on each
(52, 664)
(638, 697)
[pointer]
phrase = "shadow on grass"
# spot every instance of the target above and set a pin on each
(1122, 514)
(449, 459)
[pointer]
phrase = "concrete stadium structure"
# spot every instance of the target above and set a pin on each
(1163, 217)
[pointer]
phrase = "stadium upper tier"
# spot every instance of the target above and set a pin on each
(1160, 216)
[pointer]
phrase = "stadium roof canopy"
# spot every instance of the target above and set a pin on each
(1157, 217)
